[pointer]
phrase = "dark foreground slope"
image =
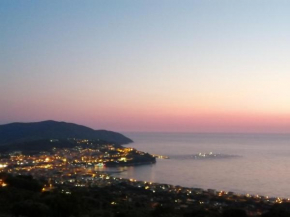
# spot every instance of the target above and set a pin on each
(23, 196)
(21, 132)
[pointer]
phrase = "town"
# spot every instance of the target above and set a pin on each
(64, 169)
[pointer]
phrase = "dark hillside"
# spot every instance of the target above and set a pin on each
(21, 132)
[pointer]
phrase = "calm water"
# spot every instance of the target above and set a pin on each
(262, 168)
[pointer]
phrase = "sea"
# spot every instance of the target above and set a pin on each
(256, 164)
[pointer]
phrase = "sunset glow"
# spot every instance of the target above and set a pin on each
(214, 66)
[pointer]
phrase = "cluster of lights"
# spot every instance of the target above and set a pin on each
(2, 183)
(3, 165)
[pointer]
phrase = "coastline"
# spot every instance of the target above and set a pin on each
(261, 167)
(206, 192)
(200, 189)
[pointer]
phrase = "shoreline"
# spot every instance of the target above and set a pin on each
(211, 191)
(247, 174)
(237, 193)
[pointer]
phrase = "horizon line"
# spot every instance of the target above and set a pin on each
(192, 132)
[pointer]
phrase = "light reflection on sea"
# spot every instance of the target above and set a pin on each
(262, 168)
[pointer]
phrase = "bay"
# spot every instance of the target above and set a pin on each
(258, 163)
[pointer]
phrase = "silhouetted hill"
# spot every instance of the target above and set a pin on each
(21, 132)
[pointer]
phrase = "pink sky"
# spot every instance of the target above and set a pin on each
(201, 66)
(154, 120)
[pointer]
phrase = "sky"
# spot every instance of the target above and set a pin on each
(147, 65)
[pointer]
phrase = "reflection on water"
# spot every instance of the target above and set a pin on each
(110, 170)
(143, 172)
(263, 168)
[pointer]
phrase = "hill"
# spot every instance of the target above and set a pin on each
(22, 132)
